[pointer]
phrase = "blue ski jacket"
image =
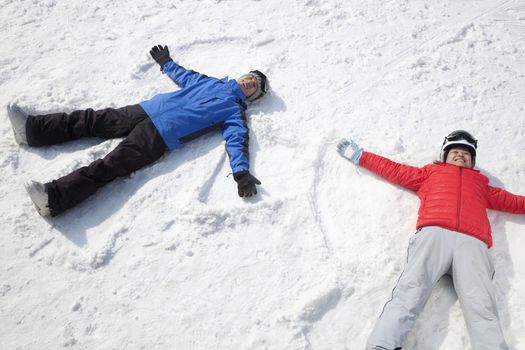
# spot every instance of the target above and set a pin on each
(202, 104)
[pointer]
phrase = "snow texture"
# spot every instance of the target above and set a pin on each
(170, 257)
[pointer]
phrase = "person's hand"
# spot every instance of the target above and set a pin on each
(349, 150)
(246, 183)
(160, 54)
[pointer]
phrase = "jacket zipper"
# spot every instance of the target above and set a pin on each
(459, 197)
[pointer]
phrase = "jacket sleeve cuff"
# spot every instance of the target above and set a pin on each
(239, 169)
(163, 66)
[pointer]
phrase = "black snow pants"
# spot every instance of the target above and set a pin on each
(142, 145)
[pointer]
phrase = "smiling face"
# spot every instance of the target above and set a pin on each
(248, 84)
(459, 156)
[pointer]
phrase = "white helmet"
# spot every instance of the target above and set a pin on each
(459, 138)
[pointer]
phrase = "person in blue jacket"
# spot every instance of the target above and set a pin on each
(149, 128)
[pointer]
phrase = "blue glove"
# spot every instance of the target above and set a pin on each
(349, 150)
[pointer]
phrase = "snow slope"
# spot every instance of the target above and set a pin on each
(170, 257)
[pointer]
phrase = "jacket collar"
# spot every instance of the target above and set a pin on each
(452, 165)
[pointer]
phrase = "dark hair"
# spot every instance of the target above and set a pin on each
(460, 146)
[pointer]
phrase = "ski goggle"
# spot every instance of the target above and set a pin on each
(461, 135)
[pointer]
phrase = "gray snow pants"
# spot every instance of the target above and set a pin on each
(432, 253)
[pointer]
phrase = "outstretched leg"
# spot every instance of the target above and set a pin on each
(472, 272)
(106, 123)
(141, 147)
(429, 258)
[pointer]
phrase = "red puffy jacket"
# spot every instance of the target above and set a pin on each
(451, 197)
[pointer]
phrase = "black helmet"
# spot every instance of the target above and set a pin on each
(263, 85)
(459, 138)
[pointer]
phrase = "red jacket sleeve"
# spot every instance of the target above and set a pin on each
(499, 199)
(404, 175)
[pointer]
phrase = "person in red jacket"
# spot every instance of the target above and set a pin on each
(453, 237)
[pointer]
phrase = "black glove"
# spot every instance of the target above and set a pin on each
(160, 54)
(246, 183)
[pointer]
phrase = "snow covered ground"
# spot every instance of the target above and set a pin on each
(171, 257)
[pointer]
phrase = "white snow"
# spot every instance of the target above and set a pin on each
(171, 257)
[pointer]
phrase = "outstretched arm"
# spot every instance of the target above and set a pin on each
(236, 134)
(499, 199)
(404, 175)
(178, 74)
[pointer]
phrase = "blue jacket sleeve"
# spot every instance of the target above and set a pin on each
(236, 134)
(180, 75)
